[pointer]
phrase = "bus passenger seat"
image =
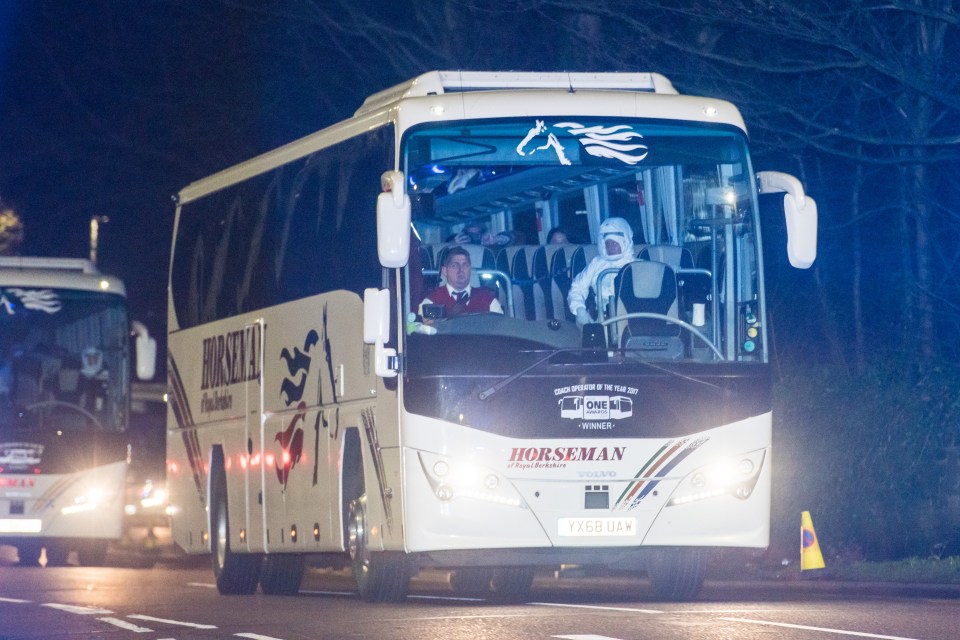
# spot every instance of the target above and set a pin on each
(481, 257)
(68, 378)
(648, 286)
(557, 286)
(426, 256)
(676, 257)
(527, 268)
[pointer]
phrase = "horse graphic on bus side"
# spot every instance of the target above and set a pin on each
(619, 142)
(595, 407)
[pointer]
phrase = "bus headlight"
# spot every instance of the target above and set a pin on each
(735, 477)
(452, 479)
(89, 500)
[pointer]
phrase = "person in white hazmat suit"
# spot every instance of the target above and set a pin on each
(615, 245)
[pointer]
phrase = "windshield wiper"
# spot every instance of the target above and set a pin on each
(489, 391)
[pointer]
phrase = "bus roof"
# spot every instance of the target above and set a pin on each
(439, 82)
(58, 273)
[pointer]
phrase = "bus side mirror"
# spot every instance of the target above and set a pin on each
(376, 330)
(393, 221)
(146, 351)
(800, 212)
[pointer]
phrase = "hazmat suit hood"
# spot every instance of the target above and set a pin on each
(618, 230)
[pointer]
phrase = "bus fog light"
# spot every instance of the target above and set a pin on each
(441, 468)
(491, 482)
(745, 466)
(698, 480)
(445, 492)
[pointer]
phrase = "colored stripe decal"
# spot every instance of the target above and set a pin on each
(184, 418)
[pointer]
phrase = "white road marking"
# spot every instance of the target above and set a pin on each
(14, 600)
(479, 616)
(590, 606)
(205, 585)
(72, 608)
(746, 611)
(453, 598)
(181, 623)
(588, 636)
(254, 636)
(123, 624)
(859, 634)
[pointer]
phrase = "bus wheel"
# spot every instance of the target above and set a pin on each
(380, 576)
(92, 553)
(512, 583)
(57, 554)
(471, 581)
(236, 573)
(280, 574)
(28, 553)
(677, 574)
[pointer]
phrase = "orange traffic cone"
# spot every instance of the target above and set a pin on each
(810, 556)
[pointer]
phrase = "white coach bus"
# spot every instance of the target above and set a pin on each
(314, 412)
(65, 448)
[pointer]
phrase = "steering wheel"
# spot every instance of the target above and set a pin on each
(61, 403)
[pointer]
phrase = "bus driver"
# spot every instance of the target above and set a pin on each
(456, 295)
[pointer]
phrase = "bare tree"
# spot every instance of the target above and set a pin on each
(11, 231)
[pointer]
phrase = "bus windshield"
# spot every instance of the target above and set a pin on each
(690, 290)
(63, 359)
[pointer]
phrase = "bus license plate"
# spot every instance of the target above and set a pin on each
(604, 526)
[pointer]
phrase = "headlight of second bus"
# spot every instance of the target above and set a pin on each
(736, 476)
(452, 478)
(91, 497)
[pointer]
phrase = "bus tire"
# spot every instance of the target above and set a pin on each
(57, 554)
(92, 553)
(235, 573)
(512, 583)
(471, 581)
(677, 574)
(380, 576)
(28, 553)
(280, 574)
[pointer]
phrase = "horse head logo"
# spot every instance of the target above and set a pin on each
(618, 142)
(291, 438)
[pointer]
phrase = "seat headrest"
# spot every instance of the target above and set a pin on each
(647, 278)
(677, 257)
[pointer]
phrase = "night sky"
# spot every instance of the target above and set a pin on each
(110, 108)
